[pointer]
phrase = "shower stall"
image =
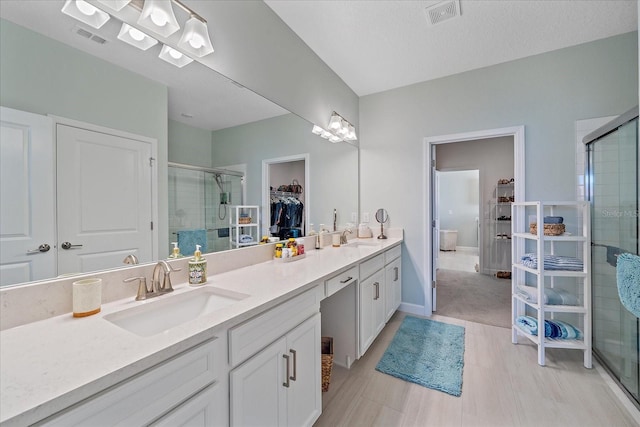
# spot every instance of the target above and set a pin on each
(201, 199)
(613, 190)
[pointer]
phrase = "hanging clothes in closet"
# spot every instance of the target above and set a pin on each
(287, 212)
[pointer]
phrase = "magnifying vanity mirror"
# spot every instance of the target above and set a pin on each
(55, 67)
(382, 217)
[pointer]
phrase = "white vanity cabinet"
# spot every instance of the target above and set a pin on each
(280, 384)
(372, 296)
(170, 388)
(393, 280)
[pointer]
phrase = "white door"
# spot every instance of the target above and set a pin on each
(435, 225)
(104, 200)
(27, 189)
(304, 397)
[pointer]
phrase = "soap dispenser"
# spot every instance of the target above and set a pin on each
(197, 268)
(176, 251)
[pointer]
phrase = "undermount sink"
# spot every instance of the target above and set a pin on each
(155, 316)
(360, 244)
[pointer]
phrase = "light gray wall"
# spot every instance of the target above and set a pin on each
(189, 145)
(459, 205)
(43, 76)
(257, 49)
(333, 167)
(547, 93)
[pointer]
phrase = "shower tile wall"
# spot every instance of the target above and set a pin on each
(186, 204)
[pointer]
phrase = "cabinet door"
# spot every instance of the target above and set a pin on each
(304, 397)
(202, 410)
(393, 285)
(371, 309)
(258, 394)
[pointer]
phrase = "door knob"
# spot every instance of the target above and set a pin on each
(68, 245)
(42, 248)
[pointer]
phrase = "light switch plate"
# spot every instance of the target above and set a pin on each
(354, 217)
(365, 217)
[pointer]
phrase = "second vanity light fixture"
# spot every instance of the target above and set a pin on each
(339, 129)
(156, 16)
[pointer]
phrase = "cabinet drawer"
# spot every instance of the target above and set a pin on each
(256, 333)
(392, 254)
(140, 400)
(370, 266)
(338, 282)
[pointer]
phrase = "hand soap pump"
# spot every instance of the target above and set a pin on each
(176, 251)
(197, 268)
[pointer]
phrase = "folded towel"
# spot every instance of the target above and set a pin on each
(553, 262)
(628, 280)
(551, 296)
(556, 329)
(553, 219)
(188, 239)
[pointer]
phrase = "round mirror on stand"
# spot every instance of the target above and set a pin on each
(382, 216)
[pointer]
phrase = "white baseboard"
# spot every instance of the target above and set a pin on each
(412, 308)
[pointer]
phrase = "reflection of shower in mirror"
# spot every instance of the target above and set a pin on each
(225, 196)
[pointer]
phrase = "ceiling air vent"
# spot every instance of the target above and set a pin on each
(442, 11)
(88, 35)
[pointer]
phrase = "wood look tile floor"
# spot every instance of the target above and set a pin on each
(502, 386)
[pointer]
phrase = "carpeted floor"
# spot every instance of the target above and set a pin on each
(475, 297)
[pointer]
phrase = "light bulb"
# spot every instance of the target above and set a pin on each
(175, 54)
(159, 18)
(196, 41)
(136, 34)
(85, 7)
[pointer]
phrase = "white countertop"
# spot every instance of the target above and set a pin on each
(48, 365)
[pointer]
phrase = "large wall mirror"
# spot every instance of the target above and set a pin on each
(215, 144)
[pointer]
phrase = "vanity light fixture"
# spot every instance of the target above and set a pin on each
(115, 4)
(339, 129)
(158, 16)
(85, 12)
(195, 37)
(174, 57)
(135, 37)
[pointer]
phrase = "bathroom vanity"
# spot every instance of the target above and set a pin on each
(242, 349)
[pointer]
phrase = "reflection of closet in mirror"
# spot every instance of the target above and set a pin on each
(286, 185)
(199, 201)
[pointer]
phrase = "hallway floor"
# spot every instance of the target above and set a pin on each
(462, 259)
(502, 386)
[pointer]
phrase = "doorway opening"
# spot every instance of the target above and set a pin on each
(459, 215)
(470, 151)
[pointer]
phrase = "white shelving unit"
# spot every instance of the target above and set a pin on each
(237, 229)
(576, 239)
(499, 218)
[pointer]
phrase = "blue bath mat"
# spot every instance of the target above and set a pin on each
(428, 353)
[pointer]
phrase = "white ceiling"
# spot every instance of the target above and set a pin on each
(379, 45)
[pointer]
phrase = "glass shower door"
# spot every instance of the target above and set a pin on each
(613, 174)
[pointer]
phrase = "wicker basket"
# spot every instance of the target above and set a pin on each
(549, 229)
(327, 362)
(244, 220)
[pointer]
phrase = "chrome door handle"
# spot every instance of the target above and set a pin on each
(346, 280)
(286, 383)
(42, 248)
(396, 270)
(377, 285)
(295, 364)
(68, 245)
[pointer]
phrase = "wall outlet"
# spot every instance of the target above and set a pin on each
(354, 217)
(365, 217)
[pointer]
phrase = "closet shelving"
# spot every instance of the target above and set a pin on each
(576, 243)
(239, 227)
(500, 230)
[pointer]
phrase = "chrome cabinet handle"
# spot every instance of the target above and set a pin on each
(68, 245)
(286, 383)
(295, 364)
(396, 270)
(346, 280)
(377, 285)
(42, 248)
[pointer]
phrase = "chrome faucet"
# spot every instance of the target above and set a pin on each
(157, 287)
(343, 236)
(130, 259)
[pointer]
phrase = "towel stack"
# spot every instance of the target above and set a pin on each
(553, 262)
(551, 296)
(556, 329)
